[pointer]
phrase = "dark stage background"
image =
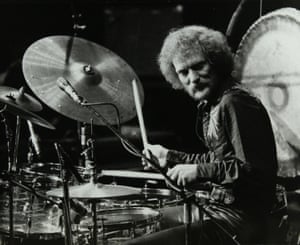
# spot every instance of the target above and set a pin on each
(134, 30)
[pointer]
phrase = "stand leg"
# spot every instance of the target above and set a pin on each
(94, 211)
(187, 214)
(11, 213)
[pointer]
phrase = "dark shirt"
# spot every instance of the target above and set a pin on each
(241, 150)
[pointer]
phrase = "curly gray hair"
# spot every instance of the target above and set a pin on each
(192, 39)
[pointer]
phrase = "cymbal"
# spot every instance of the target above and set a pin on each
(96, 191)
(21, 105)
(96, 73)
(132, 174)
(20, 98)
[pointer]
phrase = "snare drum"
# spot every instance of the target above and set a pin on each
(119, 225)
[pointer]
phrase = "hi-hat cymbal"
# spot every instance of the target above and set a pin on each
(21, 105)
(96, 191)
(96, 73)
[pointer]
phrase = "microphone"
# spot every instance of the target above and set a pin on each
(66, 86)
(83, 136)
(34, 139)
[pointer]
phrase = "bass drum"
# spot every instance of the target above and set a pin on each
(268, 62)
(34, 218)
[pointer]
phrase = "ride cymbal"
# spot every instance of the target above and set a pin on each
(19, 103)
(96, 73)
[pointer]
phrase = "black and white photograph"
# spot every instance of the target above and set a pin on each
(150, 122)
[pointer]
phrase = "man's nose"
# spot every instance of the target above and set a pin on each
(193, 76)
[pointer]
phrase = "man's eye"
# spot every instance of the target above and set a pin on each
(198, 66)
(183, 72)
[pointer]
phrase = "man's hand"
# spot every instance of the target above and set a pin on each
(183, 174)
(156, 152)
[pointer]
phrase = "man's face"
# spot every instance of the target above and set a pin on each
(196, 75)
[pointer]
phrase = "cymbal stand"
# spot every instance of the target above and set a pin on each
(77, 26)
(187, 220)
(66, 198)
(95, 226)
(91, 166)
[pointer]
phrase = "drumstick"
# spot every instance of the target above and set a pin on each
(132, 174)
(137, 102)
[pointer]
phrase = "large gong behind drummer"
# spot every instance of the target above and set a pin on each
(240, 163)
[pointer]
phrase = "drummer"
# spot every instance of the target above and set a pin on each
(240, 161)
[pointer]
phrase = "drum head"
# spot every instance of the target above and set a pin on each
(268, 62)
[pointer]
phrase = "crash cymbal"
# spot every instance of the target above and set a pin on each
(96, 191)
(21, 104)
(96, 73)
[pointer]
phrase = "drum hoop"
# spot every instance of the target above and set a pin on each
(153, 218)
(34, 235)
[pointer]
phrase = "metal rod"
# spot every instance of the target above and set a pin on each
(13, 167)
(11, 213)
(95, 227)
(66, 199)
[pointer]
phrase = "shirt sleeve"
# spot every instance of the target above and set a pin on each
(209, 167)
(248, 128)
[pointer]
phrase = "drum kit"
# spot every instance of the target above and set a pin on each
(90, 84)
